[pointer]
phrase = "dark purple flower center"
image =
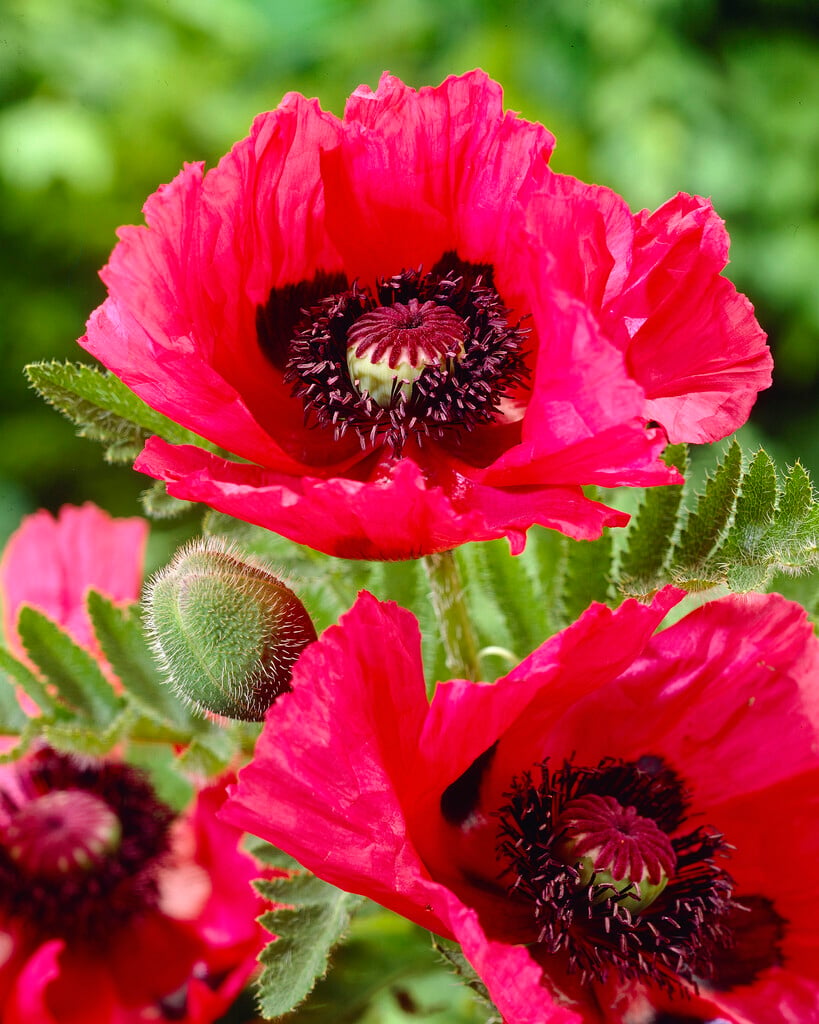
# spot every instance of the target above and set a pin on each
(424, 356)
(81, 843)
(613, 881)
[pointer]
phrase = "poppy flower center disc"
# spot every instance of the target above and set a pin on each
(62, 833)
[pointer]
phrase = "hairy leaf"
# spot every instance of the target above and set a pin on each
(386, 972)
(70, 669)
(25, 678)
(652, 529)
(705, 524)
(120, 635)
(158, 504)
(310, 919)
(13, 719)
(588, 574)
(104, 409)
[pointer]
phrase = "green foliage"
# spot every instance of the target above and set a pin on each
(386, 973)
(382, 968)
(588, 574)
(68, 669)
(158, 504)
(121, 638)
(706, 523)
(746, 526)
(649, 541)
(310, 919)
(104, 409)
(80, 710)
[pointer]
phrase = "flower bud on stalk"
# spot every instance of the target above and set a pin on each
(227, 633)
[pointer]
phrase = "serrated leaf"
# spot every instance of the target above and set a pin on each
(508, 609)
(104, 409)
(386, 972)
(794, 535)
(70, 669)
(774, 529)
(78, 737)
(119, 632)
(158, 504)
(796, 501)
(208, 753)
(545, 555)
(650, 533)
(306, 932)
(13, 719)
(270, 855)
(588, 574)
(705, 525)
(756, 504)
(742, 578)
(452, 954)
(29, 733)
(25, 678)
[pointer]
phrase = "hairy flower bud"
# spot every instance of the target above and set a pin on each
(226, 632)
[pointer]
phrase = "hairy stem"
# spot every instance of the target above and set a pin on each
(448, 600)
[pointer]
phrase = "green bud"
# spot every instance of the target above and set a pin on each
(226, 632)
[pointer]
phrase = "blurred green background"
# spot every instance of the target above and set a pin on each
(102, 100)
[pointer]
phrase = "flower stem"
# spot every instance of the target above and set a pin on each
(448, 600)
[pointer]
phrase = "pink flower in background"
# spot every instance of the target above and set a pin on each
(623, 829)
(413, 334)
(51, 564)
(113, 910)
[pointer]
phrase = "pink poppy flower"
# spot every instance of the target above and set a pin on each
(413, 334)
(623, 829)
(51, 564)
(113, 911)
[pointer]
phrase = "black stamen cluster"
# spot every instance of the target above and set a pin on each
(461, 395)
(671, 940)
(87, 905)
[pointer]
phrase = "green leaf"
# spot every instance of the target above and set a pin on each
(794, 538)
(795, 504)
(588, 574)
(775, 528)
(104, 409)
(315, 919)
(452, 954)
(270, 855)
(755, 506)
(545, 555)
(72, 671)
(386, 972)
(13, 719)
(25, 678)
(158, 504)
(209, 752)
(80, 737)
(29, 733)
(512, 614)
(119, 632)
(705, 525)
(650, 533)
